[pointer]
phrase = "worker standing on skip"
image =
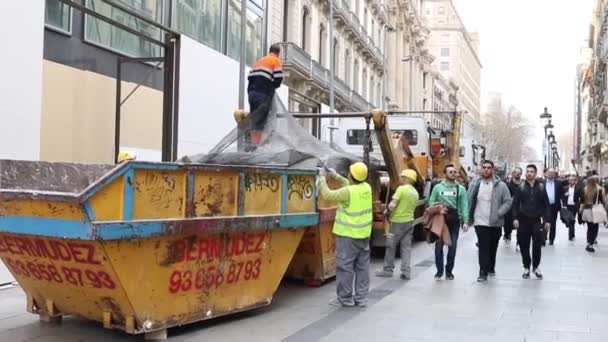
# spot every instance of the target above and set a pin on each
(401, 210)
(264, 78)
(353, 228)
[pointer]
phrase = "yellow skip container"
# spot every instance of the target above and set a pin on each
(142, 246)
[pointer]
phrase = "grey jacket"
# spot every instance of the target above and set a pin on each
(501, 201)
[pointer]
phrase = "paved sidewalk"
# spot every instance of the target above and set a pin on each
(570, 304)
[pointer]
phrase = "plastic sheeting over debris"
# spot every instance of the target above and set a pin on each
(284, 143)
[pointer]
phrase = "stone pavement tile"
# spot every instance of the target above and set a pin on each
(512, 325)
(567, 328)
(17, 320)
(557, 315)
(507, 337)
(578, 337)
(598, 322)
(541, 336)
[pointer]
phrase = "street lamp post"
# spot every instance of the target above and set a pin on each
(550, 142)
(546, 116)
(411, 58)
(384, 104)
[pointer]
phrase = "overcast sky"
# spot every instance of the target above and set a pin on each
(529, 51)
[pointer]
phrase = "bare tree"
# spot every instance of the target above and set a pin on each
(505, 135)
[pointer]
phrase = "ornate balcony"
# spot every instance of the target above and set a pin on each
(300, 68)
(348, 20)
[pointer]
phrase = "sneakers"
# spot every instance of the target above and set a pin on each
(438, 276)
(449, 276)
(526, 274)
(538, 274)
(492, 273)
(590, 249)
(550, 243)
(405, 276)
(482, 277)
(362, 304)
(384, 274)
(339, 303)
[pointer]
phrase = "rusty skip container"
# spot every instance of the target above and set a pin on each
(142, 246)
(315, 259)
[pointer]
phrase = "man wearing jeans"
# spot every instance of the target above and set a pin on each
(571, 200)
(530, 205)
(401, 211)
(489, 201)
(554, 194)
(454, 197)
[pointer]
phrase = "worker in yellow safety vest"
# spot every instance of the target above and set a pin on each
(401, 211)
(353, 228)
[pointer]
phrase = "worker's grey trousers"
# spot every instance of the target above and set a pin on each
(401, 234)
(352, 267)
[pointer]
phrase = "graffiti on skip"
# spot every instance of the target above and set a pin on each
(261, 181)
(301, 187)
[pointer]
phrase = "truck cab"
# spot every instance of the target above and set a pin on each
(351, 135)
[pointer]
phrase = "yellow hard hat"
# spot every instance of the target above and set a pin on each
(409, 173)
(359, 171)
(124, 155)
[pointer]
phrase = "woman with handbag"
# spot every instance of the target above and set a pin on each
(593, 212)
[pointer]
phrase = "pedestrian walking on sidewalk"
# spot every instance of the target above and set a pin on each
(401, 213)
(513, 185)
(531, 218)
(554, 193)
(571, 202)
(592, 196)
(353, 229)
(454, 197)
(489, 201)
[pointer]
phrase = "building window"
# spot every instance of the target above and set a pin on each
(335, 64)
(255, 30)
(364, 83)
(424, 75)
(322, 43)
(104, 34)
(440, 22)
(356, 76)
(287, 20)
(306, 29)
(445, 52)
(379, 94)
(200, 20)
(371, 89)
(441, 10)
(58, 15)
(445, 66)
(372, 32)
(347, 63)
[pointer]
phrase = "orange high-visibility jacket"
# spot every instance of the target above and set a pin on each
(266, 75)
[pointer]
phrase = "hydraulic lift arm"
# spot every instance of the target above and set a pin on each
(395, 155)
